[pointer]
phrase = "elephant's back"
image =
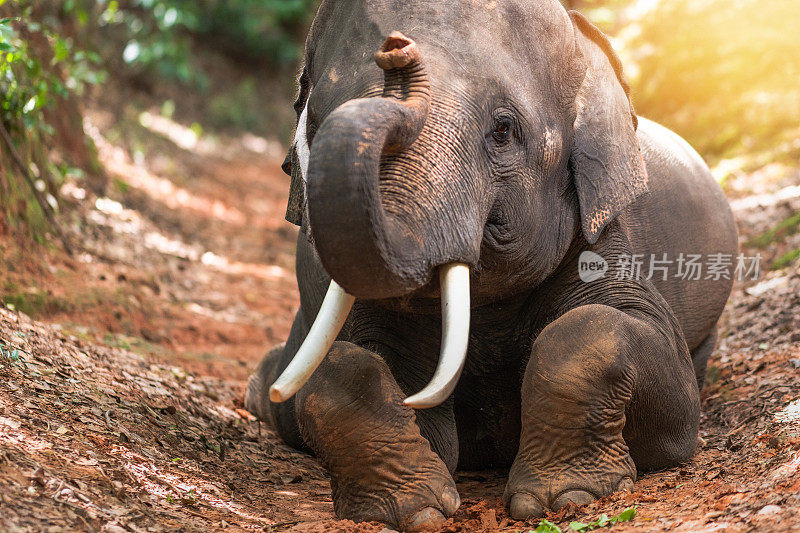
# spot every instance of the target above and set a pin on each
(685, 212)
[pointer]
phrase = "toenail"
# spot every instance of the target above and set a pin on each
(625, 484)
(578, 497)
(450, 501)
(524, 506)
(427, 519)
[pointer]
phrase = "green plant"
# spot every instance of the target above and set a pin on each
(9, 356)
(161, 36)
(786, 259)
(784, 228)
(41, 72)
(625, 516)
(546, 526)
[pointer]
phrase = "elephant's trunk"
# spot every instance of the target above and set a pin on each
(370, 253)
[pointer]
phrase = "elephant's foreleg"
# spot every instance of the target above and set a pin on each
(700, 356)
(256, 396)
(593, 373)
(382, 468)
(280, 416)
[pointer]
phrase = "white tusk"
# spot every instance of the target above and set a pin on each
(330, 319)
(301, 143)
(454, 280)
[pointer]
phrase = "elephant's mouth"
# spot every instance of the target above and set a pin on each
(369, 249)
(454, 283)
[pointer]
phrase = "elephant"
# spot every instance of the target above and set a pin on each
(452, 188)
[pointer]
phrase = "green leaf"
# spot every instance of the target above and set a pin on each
(625, 516)
(546, 526)
(5, 47)
(61, 50)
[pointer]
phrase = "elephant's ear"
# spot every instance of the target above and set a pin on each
(606, 161)
(291, 165)
(294, 209)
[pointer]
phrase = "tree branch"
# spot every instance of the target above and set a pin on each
(43, 205)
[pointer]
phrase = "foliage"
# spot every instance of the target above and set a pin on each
(162, 35)
(40, 72)
(722, 73)
(154, 37)
(253, 29)
(9, 355)
(786, 259)
(546, 526)
(625, 516)
(780, 231)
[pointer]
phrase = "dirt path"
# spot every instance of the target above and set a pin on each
(121, 409)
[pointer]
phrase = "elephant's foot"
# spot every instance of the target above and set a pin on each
(381, 468)
(576, 389)
(256, 397)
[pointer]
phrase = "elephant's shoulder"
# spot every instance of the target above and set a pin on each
(664, 151)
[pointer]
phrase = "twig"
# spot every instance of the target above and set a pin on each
(284, 524)
(198, 515)
(43, 205)
(5, 190)
(108, 419)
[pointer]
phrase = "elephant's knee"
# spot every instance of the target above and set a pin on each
(348, 374)
(585, 354)
(353, 389)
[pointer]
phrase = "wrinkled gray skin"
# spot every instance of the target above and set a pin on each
(527, 156)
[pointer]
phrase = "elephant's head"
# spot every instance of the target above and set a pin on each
(497, 136)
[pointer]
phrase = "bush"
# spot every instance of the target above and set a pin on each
(162, 35)
(41, 73)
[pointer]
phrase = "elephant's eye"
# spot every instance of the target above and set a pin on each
(502, 130)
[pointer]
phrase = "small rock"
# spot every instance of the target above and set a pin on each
(38, 476)
(795, 362)
(244, 414)
(769, 510)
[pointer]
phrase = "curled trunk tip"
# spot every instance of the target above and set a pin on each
(398, 51)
